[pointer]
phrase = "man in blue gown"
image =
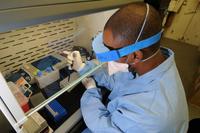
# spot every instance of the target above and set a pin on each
(147, 95)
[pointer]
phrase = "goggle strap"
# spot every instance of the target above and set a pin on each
(139, 45)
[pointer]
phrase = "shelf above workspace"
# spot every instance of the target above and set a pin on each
(20, 13)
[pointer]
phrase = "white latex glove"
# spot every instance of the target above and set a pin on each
(89, 83)
(75, 59)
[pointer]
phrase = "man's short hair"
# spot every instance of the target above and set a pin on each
(126, 23)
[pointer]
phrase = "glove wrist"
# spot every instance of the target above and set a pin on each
(81, 67)
(91, 87)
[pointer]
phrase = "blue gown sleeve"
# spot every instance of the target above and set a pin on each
(95, 114)
(100, 120)
(101, 75)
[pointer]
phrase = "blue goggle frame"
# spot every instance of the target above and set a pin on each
(114, 55)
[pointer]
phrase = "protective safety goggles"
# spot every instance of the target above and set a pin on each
(104, 54)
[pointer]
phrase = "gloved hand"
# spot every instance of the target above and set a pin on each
(75, 60)
(89, 83)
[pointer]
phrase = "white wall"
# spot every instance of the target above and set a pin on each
(88, 26)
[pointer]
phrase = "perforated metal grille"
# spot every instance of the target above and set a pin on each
(25, 45)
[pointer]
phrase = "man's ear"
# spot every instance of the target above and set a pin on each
(138, 56)
(135, 57)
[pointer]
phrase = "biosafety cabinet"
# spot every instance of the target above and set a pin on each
(38, 90)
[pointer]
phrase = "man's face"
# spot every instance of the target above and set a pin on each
(113, 43)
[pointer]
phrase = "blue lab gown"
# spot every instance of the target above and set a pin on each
(151, 103)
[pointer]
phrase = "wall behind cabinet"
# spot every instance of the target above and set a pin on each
(185, 22)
